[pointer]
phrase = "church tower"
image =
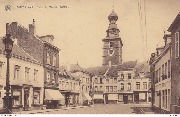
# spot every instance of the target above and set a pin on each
(112, 44)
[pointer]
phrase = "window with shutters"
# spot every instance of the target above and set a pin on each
(177, 44)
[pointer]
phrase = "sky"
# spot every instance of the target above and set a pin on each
(80, 25)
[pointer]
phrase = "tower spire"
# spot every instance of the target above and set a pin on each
(113, 6)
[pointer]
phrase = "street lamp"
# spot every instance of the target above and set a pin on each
(8, 42)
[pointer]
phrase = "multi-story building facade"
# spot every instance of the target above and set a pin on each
(98, 82)
(123, 84)
(175, 65)
(26, 79)
(85, 79)
(165, 72)
(69, 87)
(162, 79)
(41, 49)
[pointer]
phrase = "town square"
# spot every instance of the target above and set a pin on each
(90, 57)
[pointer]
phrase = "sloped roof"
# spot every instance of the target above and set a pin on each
(99, 70)
(65, 73)
(175, 23)
(17, 51)
(127, 65)
(113, 71)
(143, 67)
(75, 67)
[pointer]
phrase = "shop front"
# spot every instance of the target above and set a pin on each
(126, 97)
(98, 98)
(112, 98)
(87, 100)
(140, 96)
(52, 98)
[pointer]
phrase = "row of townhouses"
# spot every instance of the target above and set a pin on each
(165, 71)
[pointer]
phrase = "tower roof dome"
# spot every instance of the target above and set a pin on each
(113, 16)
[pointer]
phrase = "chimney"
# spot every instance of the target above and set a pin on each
(12, 28)
(167, 38)
(32, 29)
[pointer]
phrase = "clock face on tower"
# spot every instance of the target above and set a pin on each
(111, 51)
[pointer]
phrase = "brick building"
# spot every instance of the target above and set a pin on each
(41, 49)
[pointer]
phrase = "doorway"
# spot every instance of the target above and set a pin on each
(26, 99)
(125, 99)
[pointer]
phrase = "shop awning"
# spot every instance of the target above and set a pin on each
(113, 97)
(98, 96)
(86, 97)
(51, 94)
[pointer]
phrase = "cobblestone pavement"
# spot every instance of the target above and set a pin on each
(95, 109)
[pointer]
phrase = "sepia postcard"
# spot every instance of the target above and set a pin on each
(90, 57)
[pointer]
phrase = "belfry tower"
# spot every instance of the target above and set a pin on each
(112, 44)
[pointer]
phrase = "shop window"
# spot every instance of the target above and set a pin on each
(36, 97)
(16, 97)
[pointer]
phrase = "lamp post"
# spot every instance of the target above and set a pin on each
(8, 42)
